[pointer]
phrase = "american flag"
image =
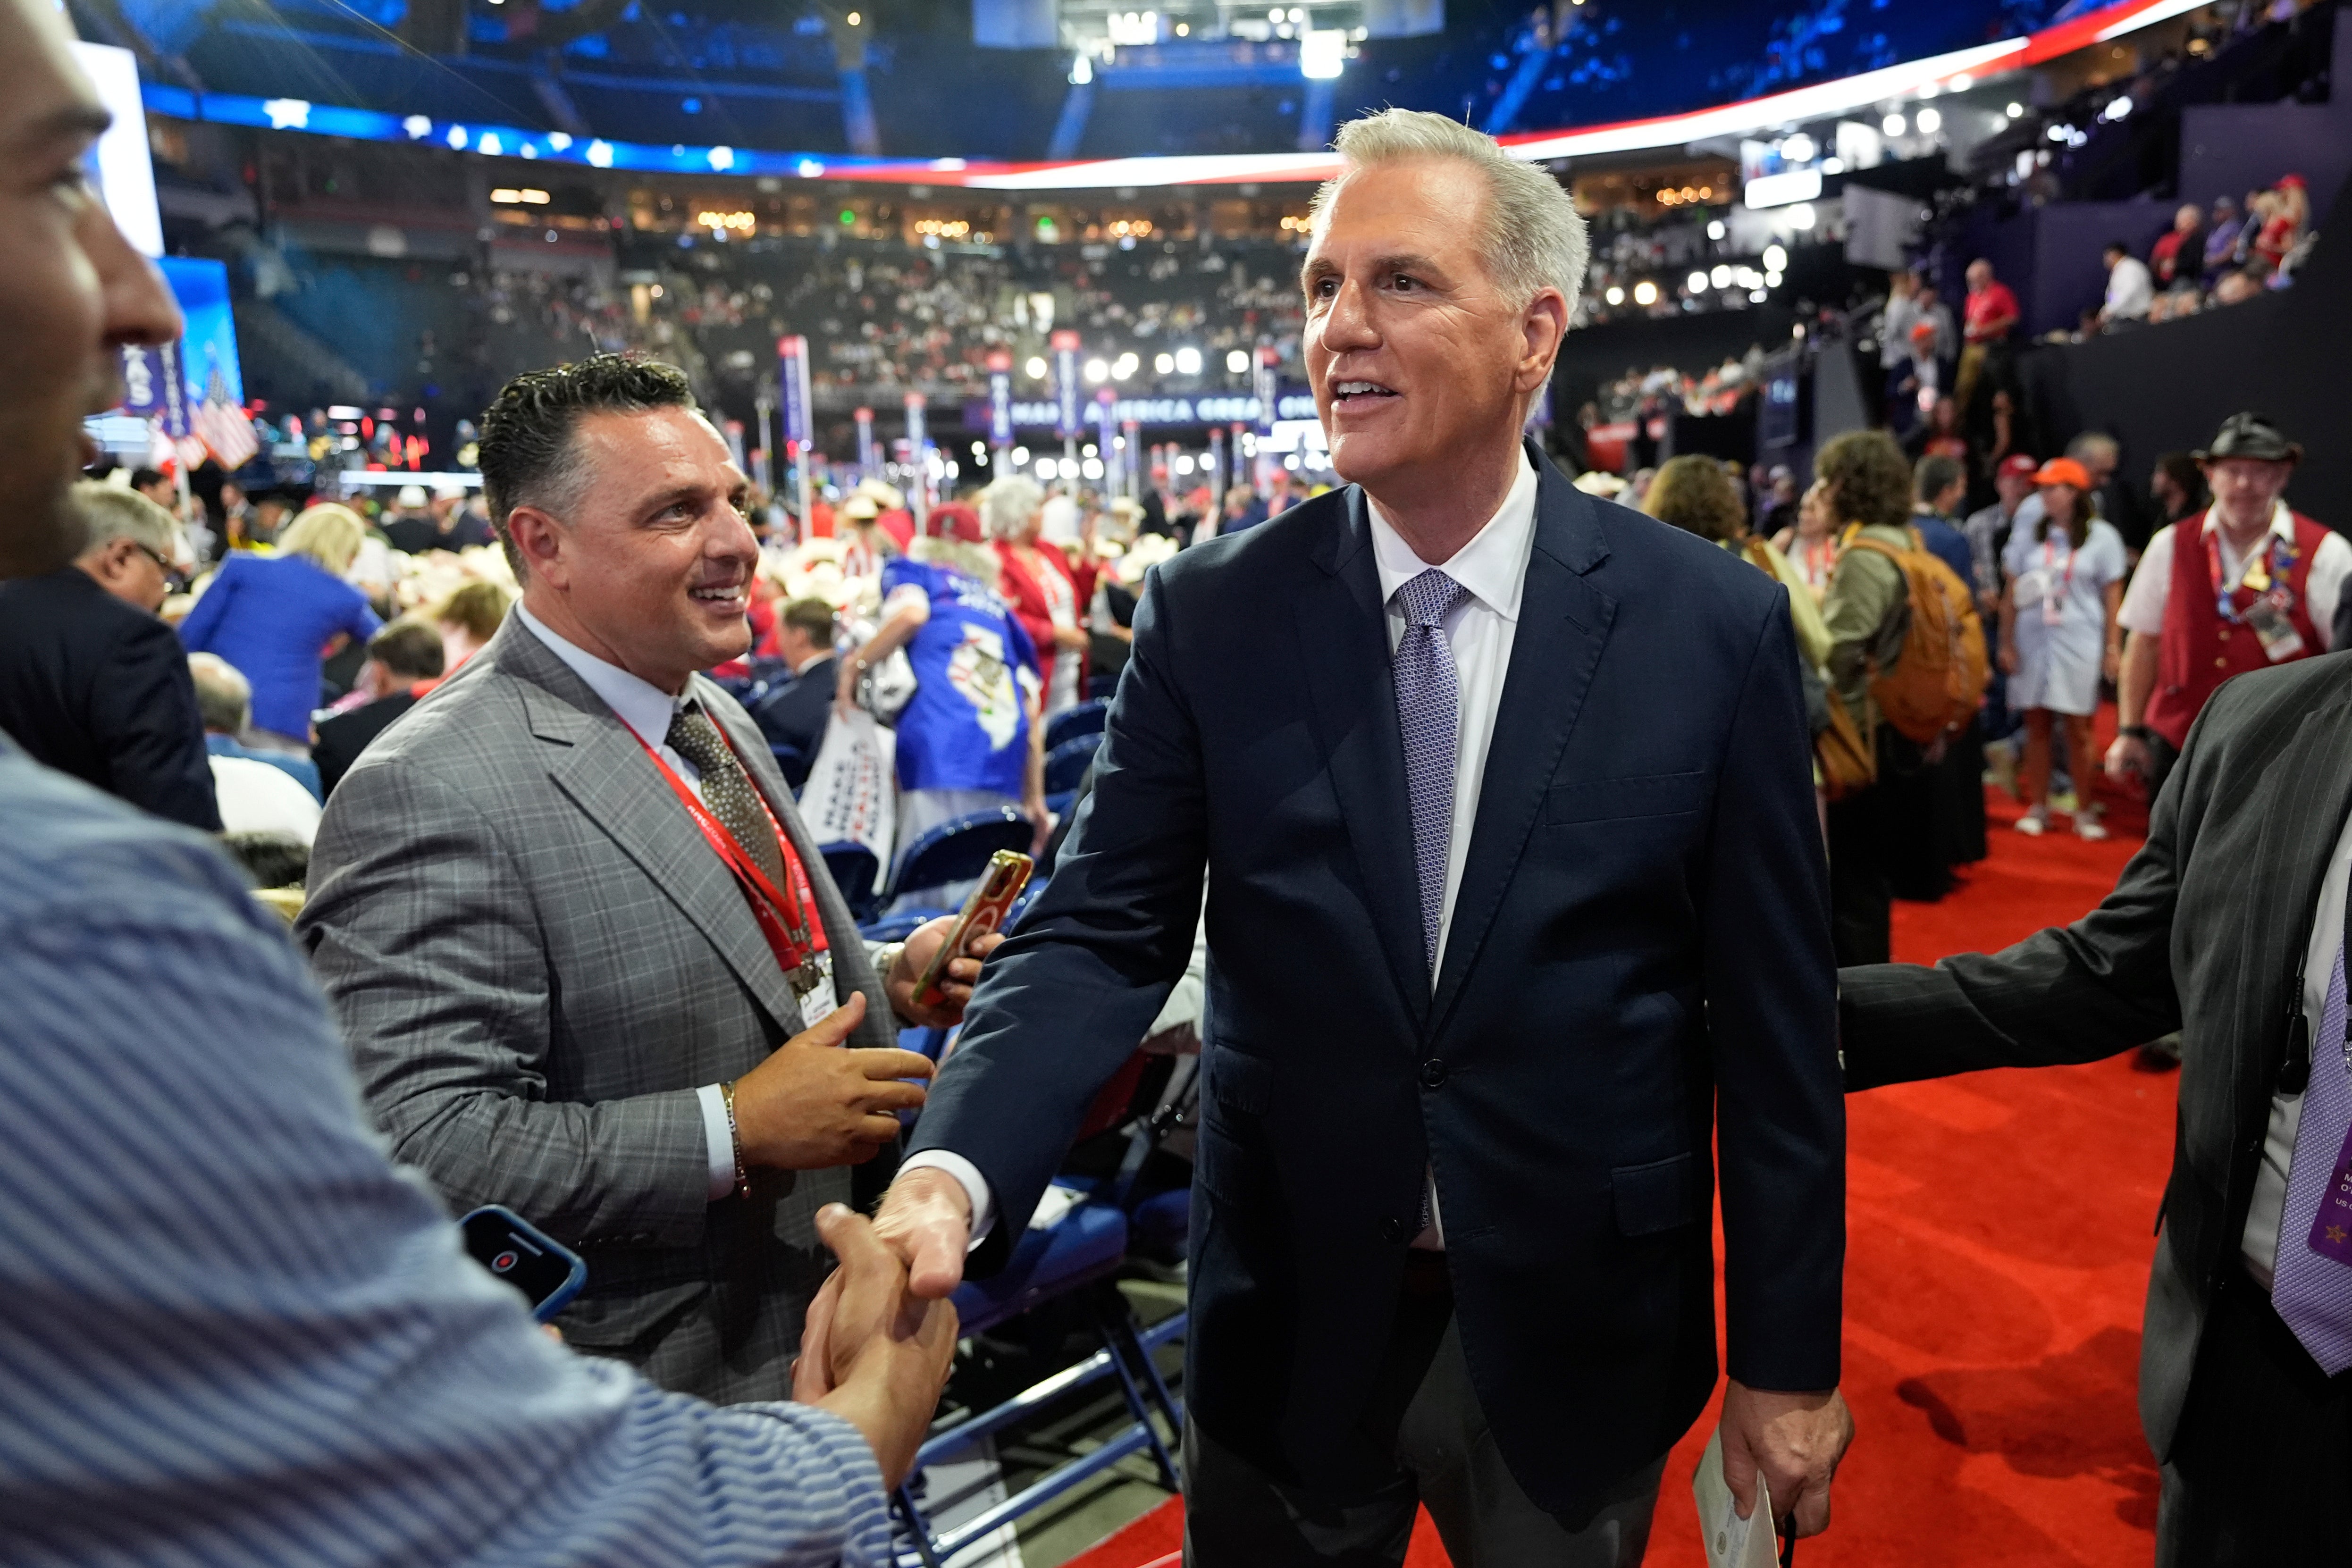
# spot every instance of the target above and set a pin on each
(227, 431)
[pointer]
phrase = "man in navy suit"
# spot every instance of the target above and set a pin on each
(1517, 912)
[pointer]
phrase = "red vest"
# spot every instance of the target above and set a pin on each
(2199, 650)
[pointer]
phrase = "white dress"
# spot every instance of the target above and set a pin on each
(2061, 623)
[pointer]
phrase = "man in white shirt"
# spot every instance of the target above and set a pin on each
(2281, 574)
(587, 959)
(1465, 1054)
(2131, 288)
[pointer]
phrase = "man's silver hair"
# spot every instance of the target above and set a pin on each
(1535, 239)
(223, 695)
(111, 512)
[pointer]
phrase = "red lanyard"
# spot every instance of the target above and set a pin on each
(792, 936)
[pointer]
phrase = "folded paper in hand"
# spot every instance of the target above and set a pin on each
(1732, 1541)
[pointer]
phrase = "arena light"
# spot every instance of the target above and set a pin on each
(1893, 125)
(1035, 366)
(1802, 215)
(1187, 361)
(1696, 282)
(1799, 149)
(1163, 365)
(1322, 53)
(1091, 468)
(1776, 259)
(1020, 455)
(2015, 111)
(1720, 277)
(1097, 372)
(1183, 464)
(1930, 121)
(1237, 361)
(1614, 294)
(1125, 366)
(1780, 190)
(1645, 293)
(1715, 229)
(1819, 100)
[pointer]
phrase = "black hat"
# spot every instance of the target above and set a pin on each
(2250, 435)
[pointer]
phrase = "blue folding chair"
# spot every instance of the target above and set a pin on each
(1080, 1253)
(1100, 687)
(957, 851)
(1086, 718)
(1066, 763)
(854, 871)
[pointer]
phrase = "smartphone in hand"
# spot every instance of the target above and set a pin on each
(984, 911)
(546, 1272)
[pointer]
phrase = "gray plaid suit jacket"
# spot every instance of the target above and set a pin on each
(536, 959)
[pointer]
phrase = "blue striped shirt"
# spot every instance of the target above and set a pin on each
(232, 1332)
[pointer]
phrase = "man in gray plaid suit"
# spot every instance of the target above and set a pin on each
(534, 909)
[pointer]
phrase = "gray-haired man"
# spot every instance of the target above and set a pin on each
(1516, 912)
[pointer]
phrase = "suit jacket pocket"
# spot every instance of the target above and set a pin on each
(1656, 1196)
(1612, 800)
(1239, 1082)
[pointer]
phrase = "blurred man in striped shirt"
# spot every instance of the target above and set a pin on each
(230, 1330)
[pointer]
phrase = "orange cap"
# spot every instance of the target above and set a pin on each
(2064, 471)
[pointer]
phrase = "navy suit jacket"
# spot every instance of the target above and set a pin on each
(1639, 973)
(98, 688)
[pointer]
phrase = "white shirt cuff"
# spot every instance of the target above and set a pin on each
(719, 1140)
(968, 1176)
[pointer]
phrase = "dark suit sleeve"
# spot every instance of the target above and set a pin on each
(143, 719)
(1771, 1017)
(2071, 993)
(1065, 1001)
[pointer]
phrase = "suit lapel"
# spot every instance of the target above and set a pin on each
(1563, 622)
(2311, 795)
(594, 759)
(1344, 650)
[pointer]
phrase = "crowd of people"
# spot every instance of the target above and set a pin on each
(2209, 258)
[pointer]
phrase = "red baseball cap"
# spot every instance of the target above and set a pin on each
(2016, 466)
(958, 520)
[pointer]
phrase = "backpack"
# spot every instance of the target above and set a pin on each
(1938, 678)
(1842, 763)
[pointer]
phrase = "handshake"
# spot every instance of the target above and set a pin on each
(872, 1351)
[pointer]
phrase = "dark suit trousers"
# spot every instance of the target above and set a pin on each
(2258, 1473)
(1424, 1408)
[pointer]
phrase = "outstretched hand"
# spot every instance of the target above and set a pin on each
(926, 1220)
(1795, 1440)
(871, 1350)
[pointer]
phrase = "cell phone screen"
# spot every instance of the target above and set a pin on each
(544, 1270)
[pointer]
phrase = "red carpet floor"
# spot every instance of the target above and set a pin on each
(1999, 1237)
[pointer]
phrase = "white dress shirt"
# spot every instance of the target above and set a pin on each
(2152, 586)
(648, 709)
(1479, 630)
(2259, 1246)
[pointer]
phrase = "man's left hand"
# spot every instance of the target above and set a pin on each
(962, 974)
(1795, 1439)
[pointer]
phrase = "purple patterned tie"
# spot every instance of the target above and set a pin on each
(2312, 1290)
(1428, 699)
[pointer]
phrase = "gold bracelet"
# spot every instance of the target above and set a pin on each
(734, 1137)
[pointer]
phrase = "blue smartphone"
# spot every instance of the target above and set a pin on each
(546, 1272)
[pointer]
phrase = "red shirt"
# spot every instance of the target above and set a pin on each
(1993, 304)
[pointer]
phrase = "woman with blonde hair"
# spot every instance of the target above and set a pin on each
(270, 616)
